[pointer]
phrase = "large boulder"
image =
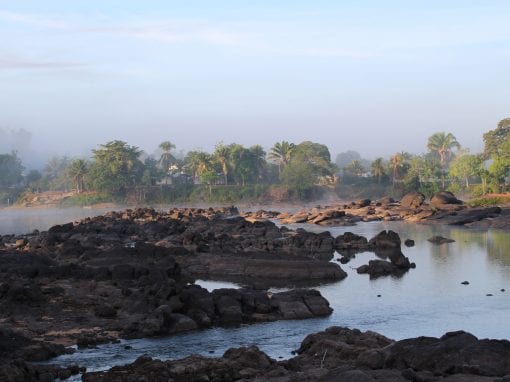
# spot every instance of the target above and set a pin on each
(376, 268)
(444, 197)
(455, 352)
(351, 242)
(385, 240)
(412, 199)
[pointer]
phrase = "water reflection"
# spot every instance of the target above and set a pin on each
(25, 220)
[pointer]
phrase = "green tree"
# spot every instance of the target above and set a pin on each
(465, 166)
(422, 173)
(116, 167)
(221, 156)
(55, 175)
(396, 162)
(443, 144)
(209, 177)
(281, 153)
(77, 170)
(151, 173)
(11, 170)
(299, 177)
(316, 155)
(494, 139)
(309, 162)
(240, 162)
(258, 161)
(355, 168)
(166, 157)
(378, 170)
(198, 162)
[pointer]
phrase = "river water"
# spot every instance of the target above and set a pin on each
(428, 300)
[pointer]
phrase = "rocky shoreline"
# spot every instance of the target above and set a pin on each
(442, 208)
(337, 354)
(130, 274)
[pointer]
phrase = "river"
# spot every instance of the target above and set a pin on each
(429, 300)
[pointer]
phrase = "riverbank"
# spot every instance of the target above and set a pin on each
(442, 208)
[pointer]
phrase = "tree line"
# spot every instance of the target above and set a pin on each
(445, 166)
(116, 168)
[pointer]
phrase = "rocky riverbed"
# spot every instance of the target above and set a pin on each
(130, 274)
(442, 208)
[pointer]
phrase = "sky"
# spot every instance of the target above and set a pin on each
(377, 77)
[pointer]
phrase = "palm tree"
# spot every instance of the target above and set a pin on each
(396, 161)
(355, 167)
(166, 157)
(443, 144)
(77, 170)
(259, 160)
(199, 162)
(378, 169)
(281, 153)
(221, 155)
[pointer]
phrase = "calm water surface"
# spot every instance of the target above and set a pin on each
(428, 300)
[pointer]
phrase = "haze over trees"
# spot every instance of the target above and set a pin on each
(117, 170)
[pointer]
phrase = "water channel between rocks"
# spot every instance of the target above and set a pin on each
(428, 300)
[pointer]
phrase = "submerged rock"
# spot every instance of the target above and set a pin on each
(438, 240)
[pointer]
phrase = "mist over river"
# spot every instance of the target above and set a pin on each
(429, 300)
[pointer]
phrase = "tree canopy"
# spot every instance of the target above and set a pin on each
(116, 166)
(494, 139)
(443, 144)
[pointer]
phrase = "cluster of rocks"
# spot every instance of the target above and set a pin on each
(337, 354)
(130, 274)
(442, 208)
(208, 243)
(17, 351)
(386, 245)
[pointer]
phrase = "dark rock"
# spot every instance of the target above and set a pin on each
(385, 240)
(456, 352)
(438, 240)
(351, 242)
(444, 197)
(337, 354)
(376, 268)
(469, 216)
(105, 311)
(409, 243)
(412, 200)
(363, 202)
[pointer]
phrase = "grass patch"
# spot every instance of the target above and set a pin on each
(87, 199)
(489, 200)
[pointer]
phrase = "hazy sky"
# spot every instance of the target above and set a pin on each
(373, 76)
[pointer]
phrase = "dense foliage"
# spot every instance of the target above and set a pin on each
(231, 172)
